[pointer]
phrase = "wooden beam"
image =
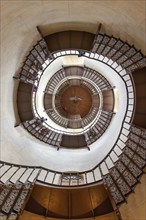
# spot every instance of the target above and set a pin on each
(69, 204)
(92, 208)
(47, 209)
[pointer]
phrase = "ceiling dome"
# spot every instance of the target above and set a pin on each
(39, 104)
(75, 101)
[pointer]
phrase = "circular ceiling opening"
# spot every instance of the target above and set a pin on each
(75, 101)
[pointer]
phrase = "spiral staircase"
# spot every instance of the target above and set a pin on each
(120, 170)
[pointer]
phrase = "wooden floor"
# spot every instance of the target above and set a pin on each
(24, 101)
(76, 100)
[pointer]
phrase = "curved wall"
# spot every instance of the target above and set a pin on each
(124, 19)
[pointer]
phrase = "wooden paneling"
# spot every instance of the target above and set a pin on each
(62, 203)
(70, 39)
(24, 101)
(74, 71)
(81, 205)
(31, 216)
(47, 101)
(108, 100)
(139, 77)
(96, 100)
(73, 141)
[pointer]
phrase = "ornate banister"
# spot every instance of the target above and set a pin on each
(121, 168)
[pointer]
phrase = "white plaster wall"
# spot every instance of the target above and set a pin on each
(125, 19)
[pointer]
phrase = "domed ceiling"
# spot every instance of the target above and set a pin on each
(19, 34)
